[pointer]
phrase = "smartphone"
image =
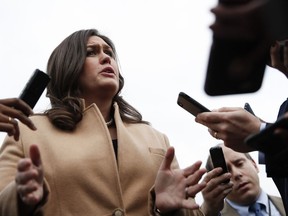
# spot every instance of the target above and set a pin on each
(218, 159)
(262, 140)
(248, 108)
(34, 87)
(235, 66)
(231, 71)
(190, 105)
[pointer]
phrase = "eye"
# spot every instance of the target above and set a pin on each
(110, 53)
(90, 52)
(240, 164)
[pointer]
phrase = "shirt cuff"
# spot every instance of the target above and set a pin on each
(262, 125)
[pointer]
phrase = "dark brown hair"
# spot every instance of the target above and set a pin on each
(64, 67)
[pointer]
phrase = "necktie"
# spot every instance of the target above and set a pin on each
(256, 208)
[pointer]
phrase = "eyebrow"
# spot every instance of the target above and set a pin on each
(238, 160)
(105, 46)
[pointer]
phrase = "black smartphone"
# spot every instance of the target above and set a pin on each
(262, 140)
(34, 87)
(230, 70)
(190, 105)
(235, 66)
(218, 159)
(248, 108)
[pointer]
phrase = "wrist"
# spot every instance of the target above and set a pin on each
(159, 212)
(206, 210)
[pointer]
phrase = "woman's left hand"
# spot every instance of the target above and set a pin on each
(174, 187)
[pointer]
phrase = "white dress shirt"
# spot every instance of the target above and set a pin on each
(269, 210)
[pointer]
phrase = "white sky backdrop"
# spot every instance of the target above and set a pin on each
(163, 47)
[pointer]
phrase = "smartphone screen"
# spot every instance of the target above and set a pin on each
(190, 105)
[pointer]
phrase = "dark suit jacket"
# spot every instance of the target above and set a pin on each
(277, 164)
(229, 211)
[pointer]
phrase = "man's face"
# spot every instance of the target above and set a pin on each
(245, 178)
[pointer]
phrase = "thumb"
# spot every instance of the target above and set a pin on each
(166, 164)
(35, 155)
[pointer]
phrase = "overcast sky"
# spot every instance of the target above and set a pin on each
(163, 48)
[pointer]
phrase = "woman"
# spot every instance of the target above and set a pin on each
(92, 153)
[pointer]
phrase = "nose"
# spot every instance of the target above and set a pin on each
(236, 173)
(104, 58)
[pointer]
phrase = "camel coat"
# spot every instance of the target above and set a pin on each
(82, 176)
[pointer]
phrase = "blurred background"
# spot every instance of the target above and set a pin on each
(163, 47)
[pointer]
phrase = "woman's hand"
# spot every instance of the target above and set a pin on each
(173, 187)
(29, 178)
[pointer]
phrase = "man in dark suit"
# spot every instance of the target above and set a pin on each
(233, 125)
(246, 191)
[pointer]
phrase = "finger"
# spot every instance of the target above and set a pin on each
(31, 199)
(195, 177)
(18, 111)
(209, 118)
(218, 182)
(193, 190)
(192, 169)
(17, 104)
(25, 120)
(212, 174)
(215, 132)
(189, 204)
(24, 164)
(8, 128)
(24, 177)
(25, 189)
(35, 155)
(166, 164)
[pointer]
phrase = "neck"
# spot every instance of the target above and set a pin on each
(104, 107)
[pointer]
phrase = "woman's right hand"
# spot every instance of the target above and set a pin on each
(29, 178)
(12, 109)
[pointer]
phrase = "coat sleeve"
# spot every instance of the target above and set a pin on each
(10, 203)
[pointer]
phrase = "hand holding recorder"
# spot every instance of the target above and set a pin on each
(21, 108)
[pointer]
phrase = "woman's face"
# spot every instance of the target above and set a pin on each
(100, 75)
